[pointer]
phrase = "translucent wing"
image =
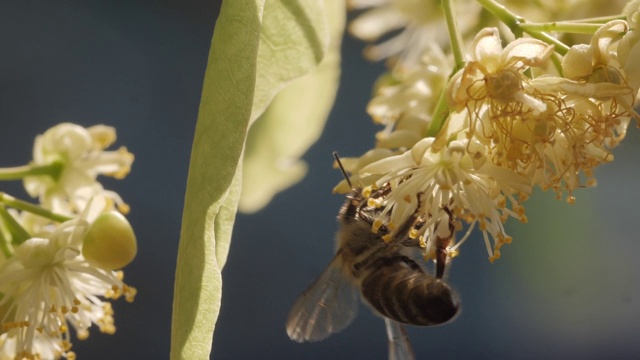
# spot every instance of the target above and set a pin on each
(324, 308)
(399, 346)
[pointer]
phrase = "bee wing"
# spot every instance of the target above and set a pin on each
(399, 346)
(326, 307)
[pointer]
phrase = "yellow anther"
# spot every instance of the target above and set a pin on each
(377, 223)
(374, 203)
(386, 238)
(66, 345)
(82, 334)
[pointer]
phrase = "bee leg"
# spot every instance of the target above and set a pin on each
(399, 345)
(441, 260)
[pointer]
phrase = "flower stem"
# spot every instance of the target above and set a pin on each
(34, 209)
(6, 249)
(514, 23)
(16, 173)
(601, 19)
(440, 114)
(18, 233)
(454, 35)
(562, 26)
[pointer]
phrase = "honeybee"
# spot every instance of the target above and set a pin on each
(380, 272)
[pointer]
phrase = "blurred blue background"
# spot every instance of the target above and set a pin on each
(566, 288)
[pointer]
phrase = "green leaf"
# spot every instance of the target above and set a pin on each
(253, 56)
(292, 123)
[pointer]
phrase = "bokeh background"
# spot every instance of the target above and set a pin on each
(566, 288)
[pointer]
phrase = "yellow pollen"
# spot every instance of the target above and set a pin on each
(483, 225)
(129, 293)
(453, 253)
(386, 238)
(64, 309)
(82, 334)
(366, 191)
(374, 203)
(524, 219)
(74, 309)
(422, 242)
(63, 328)
(124, 208)
(413, 233)
(76, 302)
(71, 355)
(66, 345)
(377, 223)
(508, 239)
(120, 275)
(496, 256)
(571, 199)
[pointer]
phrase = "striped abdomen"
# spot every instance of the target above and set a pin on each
(397, 288)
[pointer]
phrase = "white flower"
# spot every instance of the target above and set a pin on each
(405, 106)
(448, 186)
(48, 285)
(415, 24)
(79, 153)
(494, 78)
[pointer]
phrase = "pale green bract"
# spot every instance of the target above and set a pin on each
(291, 124)
(254, 55)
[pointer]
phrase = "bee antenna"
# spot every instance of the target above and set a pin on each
(344, 172)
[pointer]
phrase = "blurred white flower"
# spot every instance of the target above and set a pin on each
(79, 156)
(48, 285)
(411, 26)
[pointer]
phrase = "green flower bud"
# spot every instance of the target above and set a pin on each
(110, 242)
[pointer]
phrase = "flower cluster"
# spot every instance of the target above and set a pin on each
(464, 149)
(62, 258)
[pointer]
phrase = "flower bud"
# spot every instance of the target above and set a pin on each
(110, 242)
